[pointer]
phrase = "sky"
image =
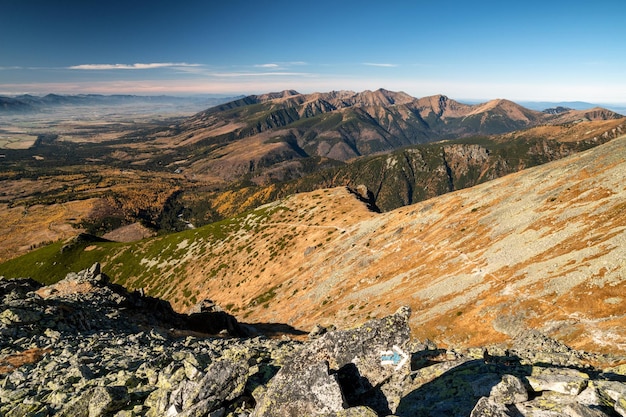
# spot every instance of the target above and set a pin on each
(520, 50)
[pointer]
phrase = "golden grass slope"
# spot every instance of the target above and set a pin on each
(543, 248)
(24, 228)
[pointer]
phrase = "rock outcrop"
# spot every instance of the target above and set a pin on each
(85, 347)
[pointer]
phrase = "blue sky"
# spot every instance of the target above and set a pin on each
(520, 50)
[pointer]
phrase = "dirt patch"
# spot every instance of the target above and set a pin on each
(129, 233)
(30, 356)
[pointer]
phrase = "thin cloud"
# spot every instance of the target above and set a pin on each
(375, 64)
(258, 74)
(138, 66)
(280, 65)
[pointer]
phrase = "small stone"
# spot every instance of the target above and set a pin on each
(173, 411)
(317, 331)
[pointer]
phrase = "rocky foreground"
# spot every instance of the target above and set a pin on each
(85, 347)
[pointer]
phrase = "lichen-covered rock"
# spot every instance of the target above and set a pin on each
(620, 406)
(368, 366)
(581, 410)
(31, 410)
(105, 401)
(487, 407)
(562, 380)
(611, 394)
(301, 390)
(224, 380)
(360, 411)
(19, 316)
(510, 390)
(97, 402)
(157, 403)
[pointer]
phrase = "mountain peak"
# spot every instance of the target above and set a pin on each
(441, 106)
(381, 97)
(276, 95)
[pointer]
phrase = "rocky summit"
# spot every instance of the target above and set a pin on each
(86, 347)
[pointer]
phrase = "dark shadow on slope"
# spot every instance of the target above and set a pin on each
(363, 194)
(272, 329)
(98, 305)
(358, 390)
(457, 391)
(425, 358)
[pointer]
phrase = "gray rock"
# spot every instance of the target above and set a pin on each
(317, 331)
(203, 409)
(564, 380)
(107, 400)
(360, 411)
(109, 352)
(610, 391)
(620, 406)
(19, 316)
(97, 402)
(581, 410)
(487, 407)
(158, 403)
(369, 366)
(224, 381)
(301, 389)
(483, 385)
(205, 306)
(31, 410)
(510, 390)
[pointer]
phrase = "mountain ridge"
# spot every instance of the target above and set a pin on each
(342, 125)
(30, 104)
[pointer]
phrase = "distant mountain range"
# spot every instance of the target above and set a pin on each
(575, 105)
(32, 103)
(29, 102)
(259, 132)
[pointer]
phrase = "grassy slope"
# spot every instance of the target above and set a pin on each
(157, 263)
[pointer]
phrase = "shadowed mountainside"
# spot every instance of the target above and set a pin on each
(419, 172)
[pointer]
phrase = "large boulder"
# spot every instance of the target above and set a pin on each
(365, 366)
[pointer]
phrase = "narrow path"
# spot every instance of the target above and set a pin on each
(341, 229)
